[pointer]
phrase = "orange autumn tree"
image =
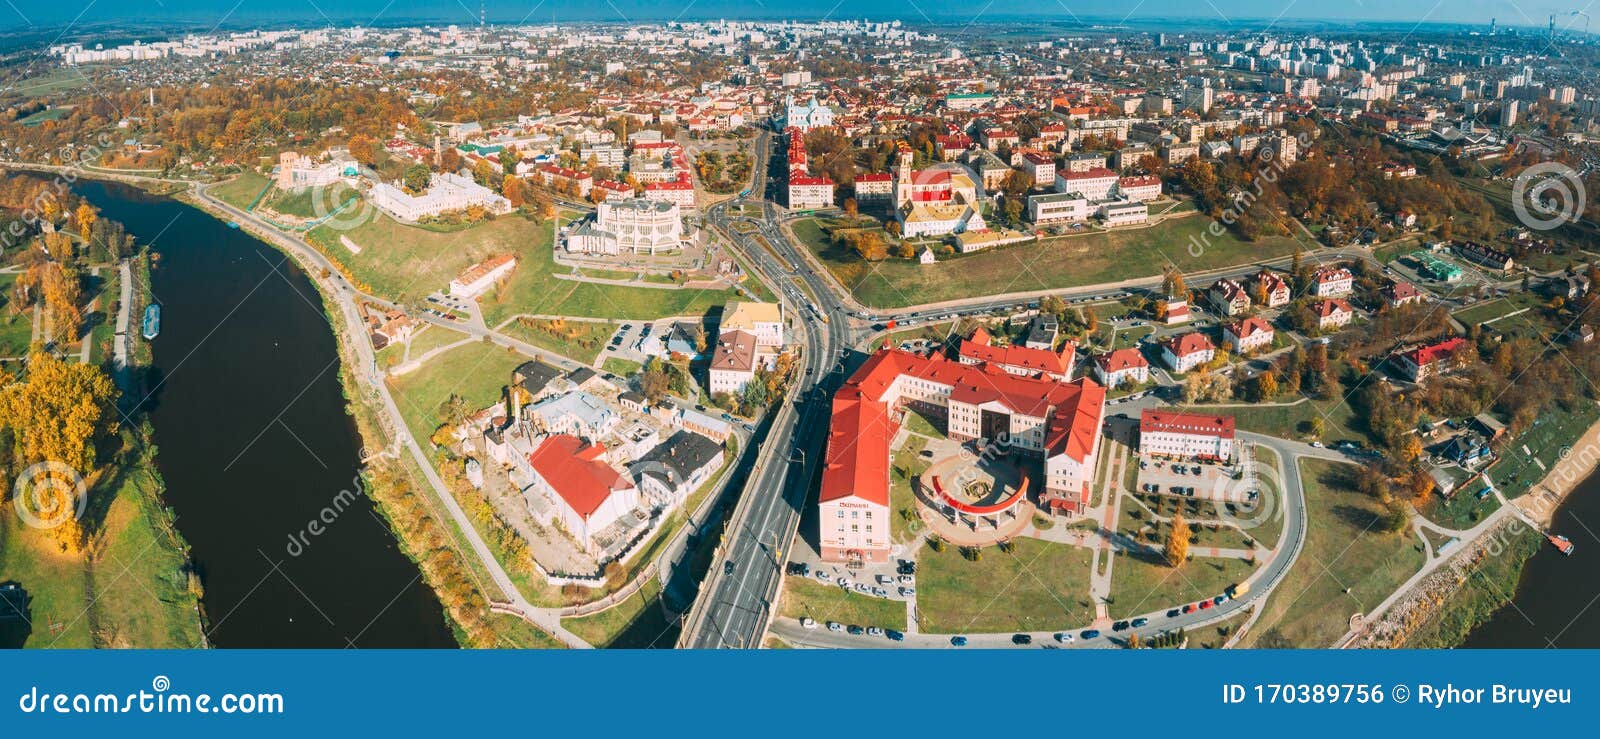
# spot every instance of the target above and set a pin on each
(55, 415)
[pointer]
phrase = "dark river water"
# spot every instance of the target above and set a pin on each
(1558, 600)
(255, 445)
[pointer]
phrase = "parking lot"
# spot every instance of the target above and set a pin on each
(1192, 479)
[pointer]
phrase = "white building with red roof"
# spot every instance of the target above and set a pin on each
(1271, 286)
(1095, 184)
(1425, 361)
(1228, 297)
(1040, 167)
(1016, 359)
(1120, 366)
(1043, 417)
(1187, 435)
(874, 186)
(1332, 282)
(1184, 352)
(1140, 189)
(585, 495)
(677, 192)
(733, 362)
(1332, 314)
(1248, 335)
(1401, 293)
(807, 192)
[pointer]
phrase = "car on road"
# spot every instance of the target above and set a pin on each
(1088, 633)
(1136, 623)
(1120, 626)
(1219, 600)
(894, 635)
(1188, 608)
(808, 623)
(1064, 637)
(1021, 639)
(958, 641)
(1316, 445)
(1205, 604)
(727, 567)
(1174, 612)
(874, 631)
(835, 626)
(855, 630)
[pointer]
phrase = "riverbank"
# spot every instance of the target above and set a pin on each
(426, 533)
(1480, 579)
(133, 584)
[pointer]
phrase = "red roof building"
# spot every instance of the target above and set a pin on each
(1186, 435)
(588, 495)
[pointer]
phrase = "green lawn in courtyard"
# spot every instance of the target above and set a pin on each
(803, 597)
(1038, 586)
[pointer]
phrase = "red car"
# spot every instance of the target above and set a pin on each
(1205, 604)
(1188, 608)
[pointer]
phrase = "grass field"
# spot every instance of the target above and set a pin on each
(1066, 261)
(305, 202)
(477, 372)
(621, 367)
(403, 262)
(1293, 421)
(1492, 309)
(635, 623)
(137, 577)
(1039, 586)
(1346, 567)
(16, 329)
(1142, 582)
(1554, 430)
(803, 597)
(1463, 511)
(240, 191)
(907, 464)
(579, 340)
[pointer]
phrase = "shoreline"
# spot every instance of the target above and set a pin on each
(1425, 601)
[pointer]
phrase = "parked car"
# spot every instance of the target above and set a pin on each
(1120, 626)
(835, 626)
(906, 579)
(1064, 637)
(1174, 612)
(958, 641)
(1188, 608)
(1088, 633)
(1205, 604)
(808, 622)
(1136, 623)
(855, 630)
(894, 635)
(823, 576)
(874, 631)
(1021, 639)
(727, 567)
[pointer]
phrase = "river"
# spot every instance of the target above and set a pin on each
(255, 445)
(1554, 605)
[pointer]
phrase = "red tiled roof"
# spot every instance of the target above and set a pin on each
(1021, 357)
(1095, 173)
(1185, 423)
(1426, 355)
(1249, 327)
(1188, 343)
(574, 470)
(1121, 359)
(1325, 308)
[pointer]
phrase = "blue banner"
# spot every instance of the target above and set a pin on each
(787, 693)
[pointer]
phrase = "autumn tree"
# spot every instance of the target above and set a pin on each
(1177, 549)
(85, 217)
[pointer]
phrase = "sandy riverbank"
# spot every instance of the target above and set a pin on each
(1427, 597)
(1578, 461)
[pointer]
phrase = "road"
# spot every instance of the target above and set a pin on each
(734, 607)
(367, 373)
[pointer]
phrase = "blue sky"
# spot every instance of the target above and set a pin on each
(25, 13)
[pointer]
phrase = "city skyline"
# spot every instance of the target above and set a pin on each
(1568, 15)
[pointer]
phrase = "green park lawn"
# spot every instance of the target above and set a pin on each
(1039, 586)
(16, 328)
(621, 367)
(908, 463)
(1054, 263)
(1347, 565)
(478, 372)
(1142, 581)
(240, 191)
(138, 576)
(401, 262)
(635, 623)
(803, 597)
